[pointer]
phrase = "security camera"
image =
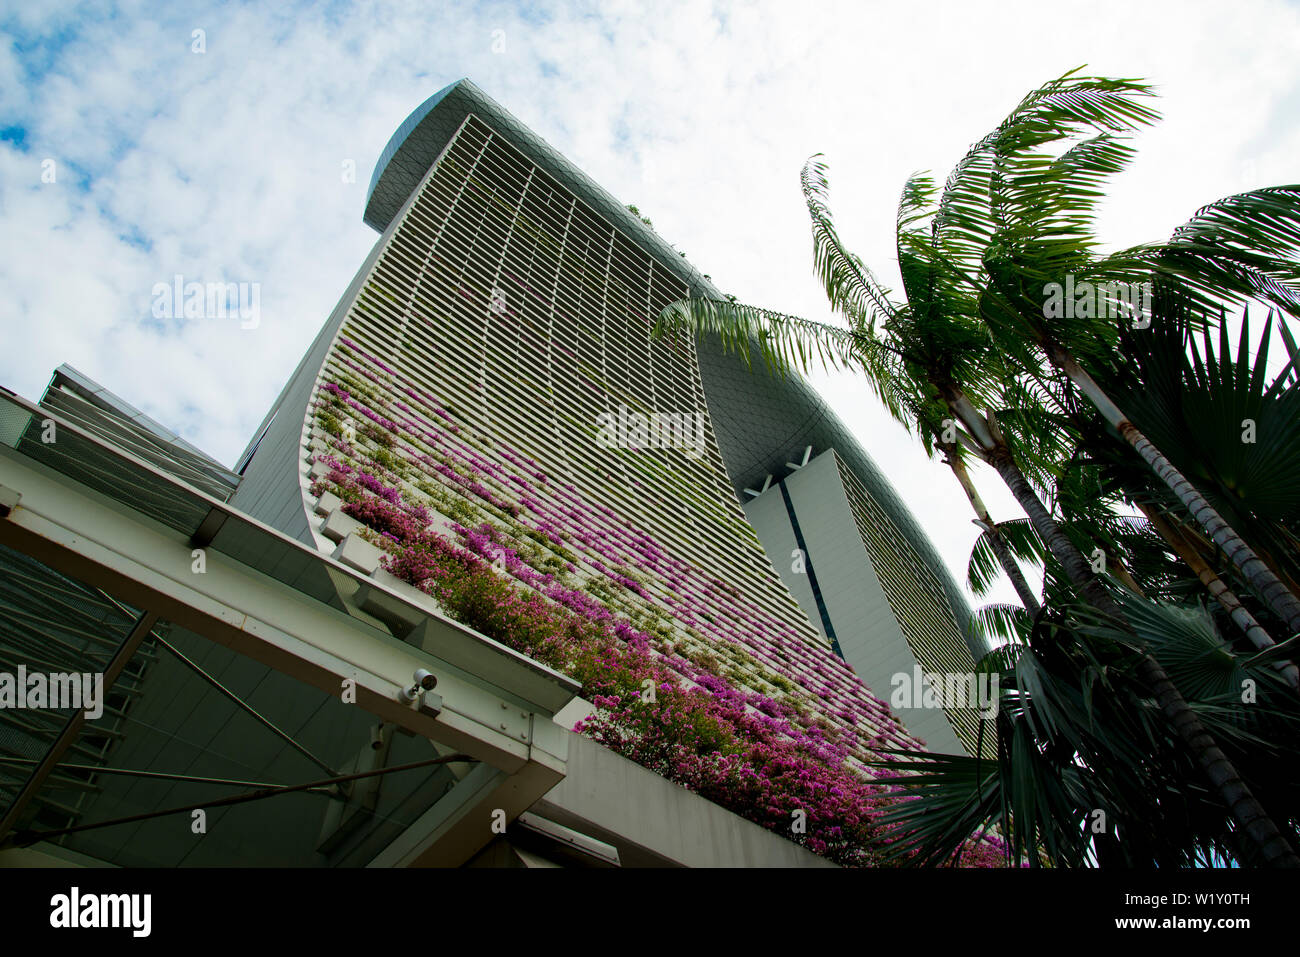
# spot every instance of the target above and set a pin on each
(424, 681)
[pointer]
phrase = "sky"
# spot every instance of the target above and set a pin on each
(142, 141)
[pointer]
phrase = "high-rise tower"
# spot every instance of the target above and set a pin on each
(499, 325)
(485, 489)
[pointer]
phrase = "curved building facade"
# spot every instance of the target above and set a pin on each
(869, 577)
(502, 322)
(487, 384)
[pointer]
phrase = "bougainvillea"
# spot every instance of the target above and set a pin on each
(629, 631)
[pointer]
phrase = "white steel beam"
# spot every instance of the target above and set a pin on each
(103, 543)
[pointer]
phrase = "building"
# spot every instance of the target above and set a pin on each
(867, 576)
(488, 380)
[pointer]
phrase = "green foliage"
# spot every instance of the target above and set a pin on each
(379, 436)
(637, 213)
(784, 684)
(1077, 733)
(450, 504)
(329, 423)
(984, 567)
(1079, 730)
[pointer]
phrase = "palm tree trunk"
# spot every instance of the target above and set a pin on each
(1125, 577)
(1227, 600)
(1054, 538)
(996, 540)
(1261, 578)
(1243, 806)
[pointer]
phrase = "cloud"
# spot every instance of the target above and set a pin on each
(226, 165)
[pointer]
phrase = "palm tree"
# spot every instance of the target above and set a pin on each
(1029, 215)
(1079, 745)
(993, 536)
(1253, 481)
(930, 353)
(1022, 215)
(1193, 406)
(785, 341)
(1221, 593)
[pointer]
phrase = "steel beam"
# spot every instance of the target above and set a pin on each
(105, 544)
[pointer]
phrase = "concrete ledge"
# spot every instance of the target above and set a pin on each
(355, 552)
(654, 822)
(327, 503)
(339, 525)
(573, 712)
(400, 618)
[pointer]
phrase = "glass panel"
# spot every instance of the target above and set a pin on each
(91, 463)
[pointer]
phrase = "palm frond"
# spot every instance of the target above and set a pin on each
(1260, 220)
(786, 343)
(851, 287)
(915, 203)
(1234, 432)
(983, 567)
(969, 212)
(1184, 639)
(945, 800)
(1001, 622)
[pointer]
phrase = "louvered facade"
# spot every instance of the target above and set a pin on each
(461, 392)
(507, 308)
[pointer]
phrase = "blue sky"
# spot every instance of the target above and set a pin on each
(225, 165)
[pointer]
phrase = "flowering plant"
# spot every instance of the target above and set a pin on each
(668, 696)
